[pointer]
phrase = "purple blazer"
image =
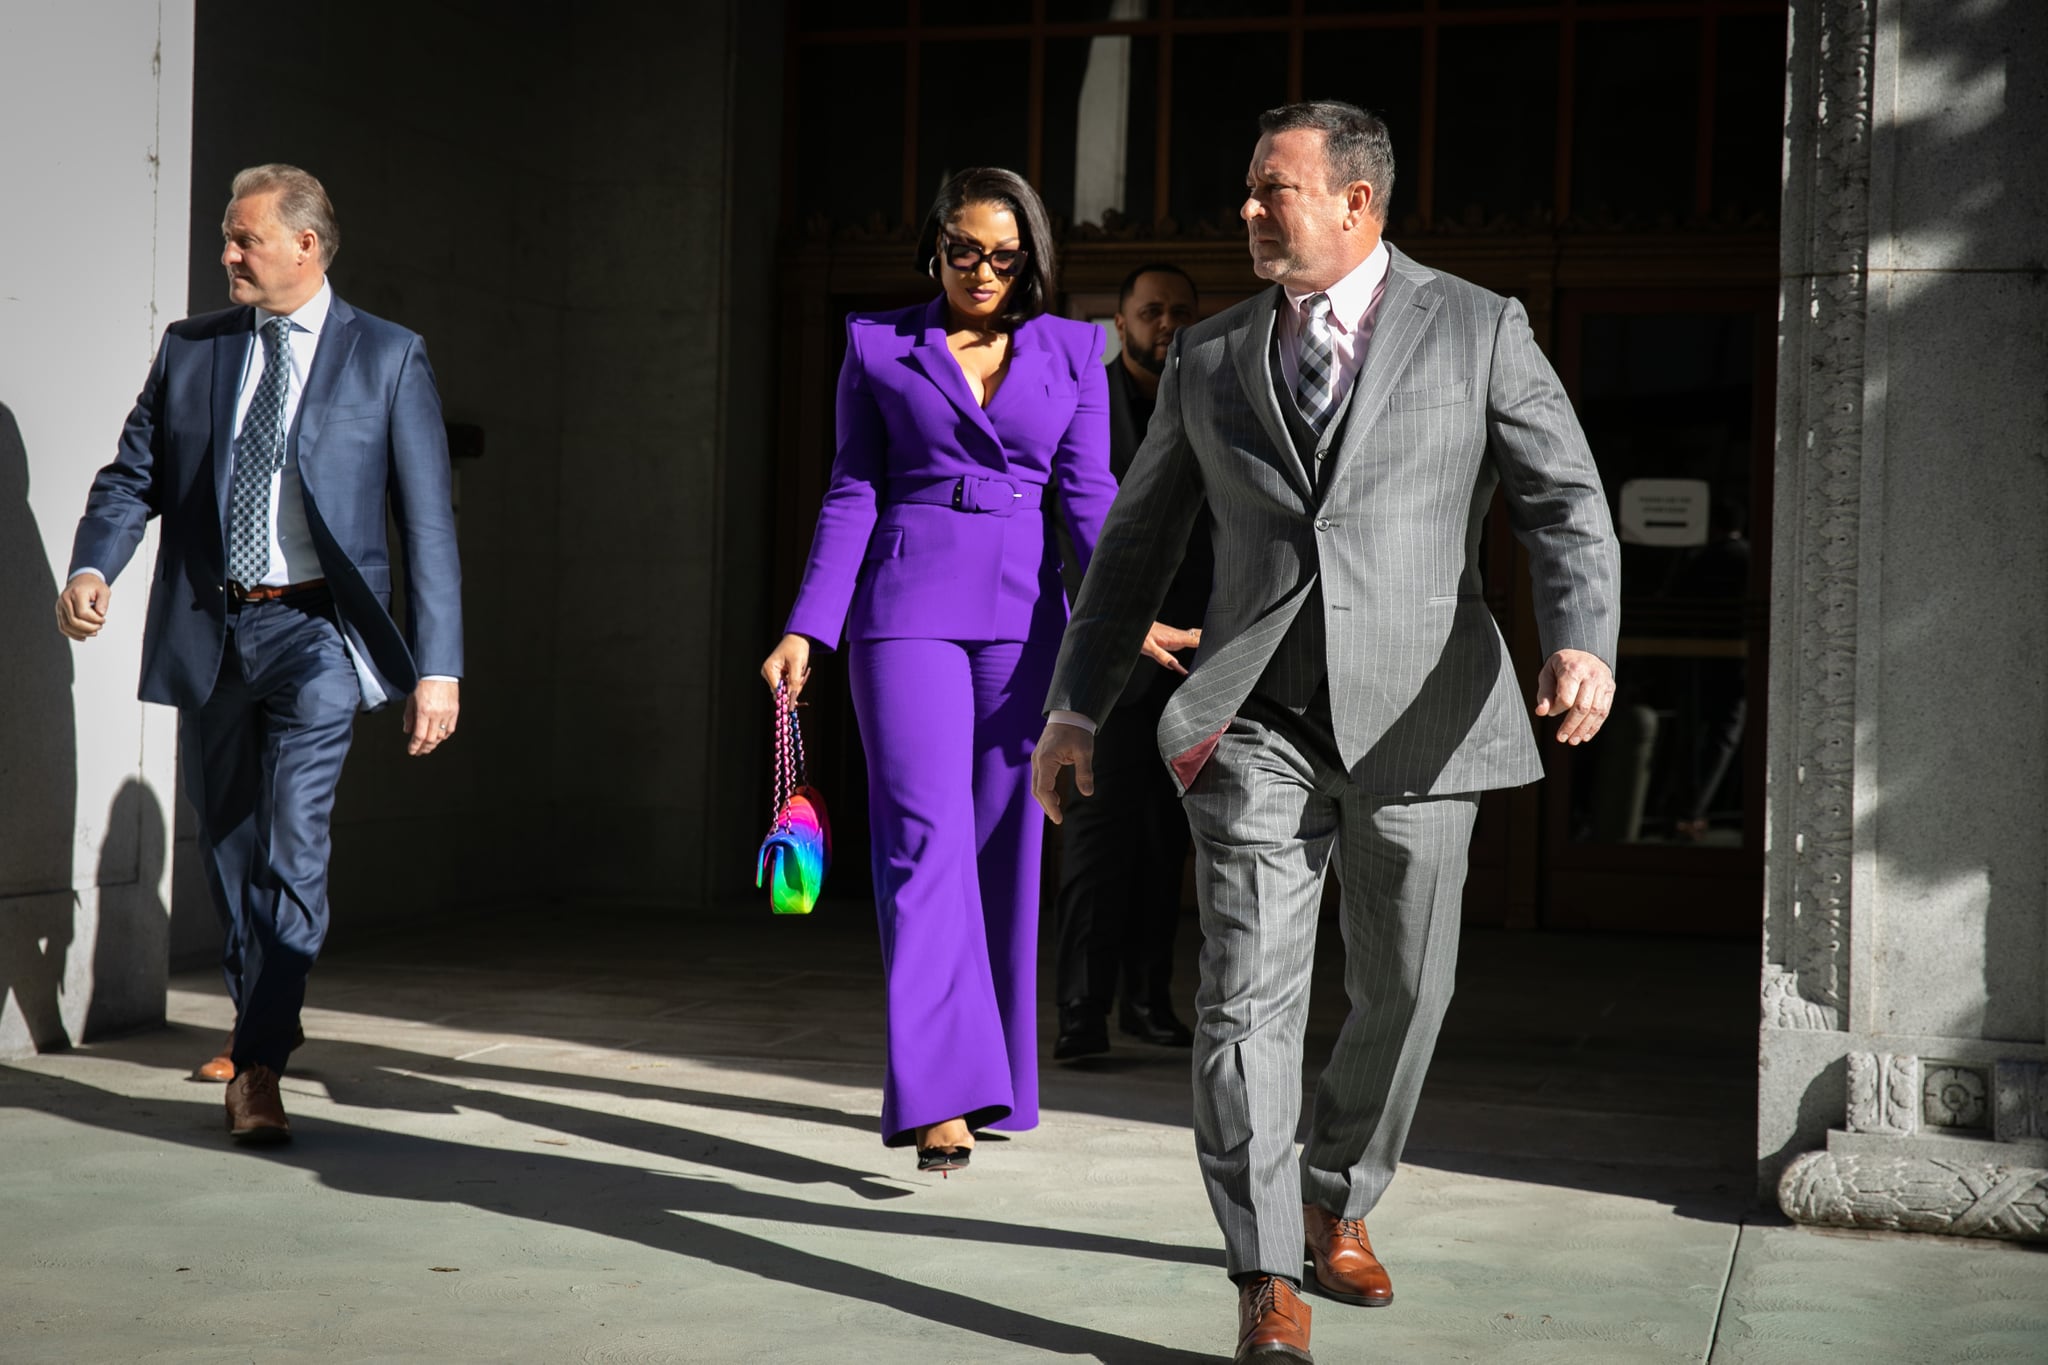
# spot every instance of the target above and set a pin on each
(933, 526)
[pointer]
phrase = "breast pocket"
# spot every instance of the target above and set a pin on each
(1429, 396)
(351, 412)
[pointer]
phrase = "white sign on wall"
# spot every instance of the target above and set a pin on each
(1664, 511)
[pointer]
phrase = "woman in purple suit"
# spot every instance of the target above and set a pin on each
(958, 423)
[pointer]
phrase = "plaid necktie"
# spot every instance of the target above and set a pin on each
(1318, 388)
(259, 454)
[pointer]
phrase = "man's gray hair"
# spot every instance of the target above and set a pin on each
(302, 203)
(1355, 143)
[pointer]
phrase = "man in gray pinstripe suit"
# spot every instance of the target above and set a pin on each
(1352, 696)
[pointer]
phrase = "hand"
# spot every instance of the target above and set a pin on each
(1162, 640)
(1581, 686)
(1062, 746)
(430, 715)
(791, 663)
(82, 606)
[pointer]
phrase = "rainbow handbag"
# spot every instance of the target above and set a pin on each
(798, 849)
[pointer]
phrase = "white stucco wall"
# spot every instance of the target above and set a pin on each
(95, 170)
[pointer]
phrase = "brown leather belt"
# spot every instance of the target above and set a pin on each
(271, 592)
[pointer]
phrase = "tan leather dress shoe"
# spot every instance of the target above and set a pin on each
(255, 1112)
(1346, 1268)
(1272, 1324)
(222, 1066)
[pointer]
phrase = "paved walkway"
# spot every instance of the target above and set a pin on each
(626, 1138)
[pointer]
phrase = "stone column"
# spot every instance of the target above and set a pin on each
(96, 100)
(1904, 1048)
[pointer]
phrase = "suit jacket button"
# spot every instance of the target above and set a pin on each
(1322, 523)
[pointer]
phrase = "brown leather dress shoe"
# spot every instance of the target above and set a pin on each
(222, 1066)
(255, 1113)
(1272, 1323)
(1346, 1268)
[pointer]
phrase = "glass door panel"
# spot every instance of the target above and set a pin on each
(1657, 824)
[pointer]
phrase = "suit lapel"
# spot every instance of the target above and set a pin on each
(1025, 375)
(1124, 435)
(230, 356)
(1249, 347)
(932, 356)
(1406, 308)
(337, 343)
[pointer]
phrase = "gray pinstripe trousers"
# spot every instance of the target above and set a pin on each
(1271, 812)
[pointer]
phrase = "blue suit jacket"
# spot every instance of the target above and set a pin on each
(368, 427)
(882, 567)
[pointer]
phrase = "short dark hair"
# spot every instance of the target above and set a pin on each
(1033, 292)
(1355, 143)
(1156, 268)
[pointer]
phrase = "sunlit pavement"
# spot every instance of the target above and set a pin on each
(583, 1134)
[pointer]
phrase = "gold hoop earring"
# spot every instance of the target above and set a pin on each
(931, 267)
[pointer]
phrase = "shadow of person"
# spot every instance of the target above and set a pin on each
(665, 1210)
(38, 770)
(131, 948)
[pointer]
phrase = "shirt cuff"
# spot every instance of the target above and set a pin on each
(1073, 718)
(86, 569)
(438, 677)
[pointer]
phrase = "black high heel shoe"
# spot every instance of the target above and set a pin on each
(942, 1159)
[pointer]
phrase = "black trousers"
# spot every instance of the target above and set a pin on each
(1122, 853)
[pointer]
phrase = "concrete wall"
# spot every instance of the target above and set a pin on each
(93, 177)
(666, 449)
(572, 205)
(1906, 988)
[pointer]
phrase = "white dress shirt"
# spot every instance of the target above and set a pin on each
(292, 556)
(1354, 310)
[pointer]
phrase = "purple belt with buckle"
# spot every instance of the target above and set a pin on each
(991, 496)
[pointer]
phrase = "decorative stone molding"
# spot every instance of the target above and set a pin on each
(1786, 1007)
(2021, 1089)
(1884, 1094)
(1955, 1097)
(1917, 1194)
(1820, 459)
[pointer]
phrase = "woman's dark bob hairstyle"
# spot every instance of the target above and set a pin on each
(1032, 292)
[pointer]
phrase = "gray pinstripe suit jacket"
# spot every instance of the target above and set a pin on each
(1454, 400)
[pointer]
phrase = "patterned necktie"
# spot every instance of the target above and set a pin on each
(1317, 391)
(259, 454)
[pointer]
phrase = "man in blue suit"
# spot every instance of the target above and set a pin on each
(269, 438)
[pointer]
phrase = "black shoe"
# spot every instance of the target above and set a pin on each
(1154, 1024)
(943, 1159)
(1083, 1033)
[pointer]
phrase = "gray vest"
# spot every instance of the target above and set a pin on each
(1295, 672)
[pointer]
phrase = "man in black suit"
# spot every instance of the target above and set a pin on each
(1124, 847)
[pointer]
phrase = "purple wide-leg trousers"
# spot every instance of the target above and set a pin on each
(948, 728)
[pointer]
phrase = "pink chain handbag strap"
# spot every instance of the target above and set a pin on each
(790, 771)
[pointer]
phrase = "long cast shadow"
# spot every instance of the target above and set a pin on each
(659, 1210)
(391, 1080)
(38, 765)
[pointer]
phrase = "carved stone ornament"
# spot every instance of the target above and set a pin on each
(1917, 1194)
(2022, 1101)
(1955, 1097)
(1820, 464)
(1786, 1007)
(1884, 1093)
